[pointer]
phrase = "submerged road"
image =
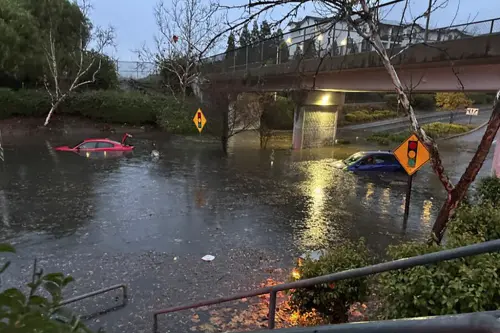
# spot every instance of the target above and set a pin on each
(147, 222)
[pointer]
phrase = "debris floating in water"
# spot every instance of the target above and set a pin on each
(208, 257)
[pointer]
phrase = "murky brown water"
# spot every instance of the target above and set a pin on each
(146, 222)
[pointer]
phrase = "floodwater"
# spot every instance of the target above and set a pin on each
(147, 222)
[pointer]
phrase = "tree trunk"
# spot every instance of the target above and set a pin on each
(52, 109)
(456, 195)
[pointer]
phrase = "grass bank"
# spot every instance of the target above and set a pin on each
(436, 130)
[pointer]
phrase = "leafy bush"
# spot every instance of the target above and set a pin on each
(28, 103)
(488, 190)
(365, 116)
(436, 130)
(278, 114)
(176, 116)
(386, 138)
(347, 108)
(109, 106)
(423, 102)
(333, 300)
(34, 312)
(391, 100)
(452, 101)
(439, 130)
(458, 286)
(481, 98)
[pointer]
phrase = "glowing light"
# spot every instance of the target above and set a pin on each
(289, 40)
(320, 38)
(343, 42)
(295, 274)
(87, 154)
(325, 99)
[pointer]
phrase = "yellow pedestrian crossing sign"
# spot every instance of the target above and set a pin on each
(199, 120)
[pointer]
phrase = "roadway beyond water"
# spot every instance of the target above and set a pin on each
(148, 223)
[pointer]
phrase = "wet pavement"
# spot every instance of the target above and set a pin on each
(147, 222)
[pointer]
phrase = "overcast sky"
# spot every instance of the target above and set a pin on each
(134, 22)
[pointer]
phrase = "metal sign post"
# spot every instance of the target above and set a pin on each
(412, 155)
(471, 112)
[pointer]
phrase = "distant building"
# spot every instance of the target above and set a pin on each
(316, 35)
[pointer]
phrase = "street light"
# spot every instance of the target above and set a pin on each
(320, 37)
(343, 42)
(289, 40)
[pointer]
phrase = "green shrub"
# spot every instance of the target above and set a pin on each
(278, 115)
(423, 102)
(114, 106)
(366, 116)
(35, 312)
(27, 103)
(457, 286)
(439, 130)
(391, 101)
(333, 300)
(176, 117)
(488, 190)
(481, 98)
(386, 138)
(108, 106)
(347, 108)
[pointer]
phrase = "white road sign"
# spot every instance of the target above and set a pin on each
(472, 111)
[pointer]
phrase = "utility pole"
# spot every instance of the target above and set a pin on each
(428, 21)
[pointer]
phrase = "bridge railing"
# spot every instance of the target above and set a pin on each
(329, 40)
(415, 325)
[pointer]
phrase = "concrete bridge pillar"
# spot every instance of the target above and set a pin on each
(315, 118)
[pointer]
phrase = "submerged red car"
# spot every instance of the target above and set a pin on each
(90, 145)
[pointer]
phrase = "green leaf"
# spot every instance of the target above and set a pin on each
(7, 248)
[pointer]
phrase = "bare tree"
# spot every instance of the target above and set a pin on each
(186, 29)
(363, 17)
(68, 72)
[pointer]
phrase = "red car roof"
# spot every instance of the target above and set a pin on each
(102, 140)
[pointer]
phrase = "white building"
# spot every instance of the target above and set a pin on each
(315, 35)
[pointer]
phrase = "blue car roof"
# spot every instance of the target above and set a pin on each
(370, 152)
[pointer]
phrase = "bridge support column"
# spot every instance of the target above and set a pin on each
(315, 118)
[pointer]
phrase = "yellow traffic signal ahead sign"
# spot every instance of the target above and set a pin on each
(412, 154)
(199, 120)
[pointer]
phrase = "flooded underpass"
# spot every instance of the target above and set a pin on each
(147, 222)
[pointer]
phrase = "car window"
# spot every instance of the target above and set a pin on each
(368, 160)
(105, 145)
(87, 145)
(353, 158)
(385, 159)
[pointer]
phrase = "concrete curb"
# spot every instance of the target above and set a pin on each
(465, 133)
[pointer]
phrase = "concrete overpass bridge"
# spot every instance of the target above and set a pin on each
(319, 81)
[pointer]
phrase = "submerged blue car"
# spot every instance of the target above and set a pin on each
(381, 161)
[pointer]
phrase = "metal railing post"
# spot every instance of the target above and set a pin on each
(272, 309)
(492, 26)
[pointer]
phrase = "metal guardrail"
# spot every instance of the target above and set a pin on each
(328, 39)
(123, 288)
(430, 258)
(484, 322)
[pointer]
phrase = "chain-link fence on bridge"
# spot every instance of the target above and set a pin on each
(135, 69)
